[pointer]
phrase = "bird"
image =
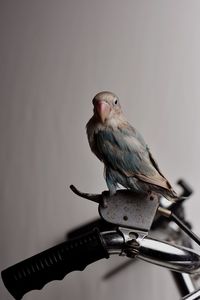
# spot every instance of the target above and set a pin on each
(122, 149)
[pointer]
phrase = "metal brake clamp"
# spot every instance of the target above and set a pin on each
(133, 213)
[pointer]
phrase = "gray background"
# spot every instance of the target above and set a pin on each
(54, 57)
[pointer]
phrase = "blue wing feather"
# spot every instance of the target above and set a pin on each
(122, 152)
(125, 151)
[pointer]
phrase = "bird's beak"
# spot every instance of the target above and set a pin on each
(102, 109)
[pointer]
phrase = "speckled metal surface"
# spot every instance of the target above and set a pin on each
(129, 209)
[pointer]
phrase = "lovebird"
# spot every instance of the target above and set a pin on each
(127, 158)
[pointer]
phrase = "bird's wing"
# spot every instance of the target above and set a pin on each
(126, 152)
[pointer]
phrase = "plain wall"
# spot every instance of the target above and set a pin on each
(54, 57)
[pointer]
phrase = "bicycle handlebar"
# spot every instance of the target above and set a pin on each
(56, 262)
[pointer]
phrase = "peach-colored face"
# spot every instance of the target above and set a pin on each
(102, 109)
(105, 104)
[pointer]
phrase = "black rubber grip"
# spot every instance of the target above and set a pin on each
(54, 264)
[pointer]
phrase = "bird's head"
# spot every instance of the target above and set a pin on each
(106, 106)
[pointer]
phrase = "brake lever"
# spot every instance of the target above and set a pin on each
(131, 212)
(132, 215)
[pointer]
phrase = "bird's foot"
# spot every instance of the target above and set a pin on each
(151, 195)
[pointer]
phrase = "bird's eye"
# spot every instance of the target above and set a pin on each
(116, 101)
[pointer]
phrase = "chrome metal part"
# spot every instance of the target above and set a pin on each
(193, 296)
(164, 211)
(132, 239)
(131, 234)
(189, 282)
(176, 258)
(184, 283)
(114, 242)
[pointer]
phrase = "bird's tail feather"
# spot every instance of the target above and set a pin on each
(171, 195)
